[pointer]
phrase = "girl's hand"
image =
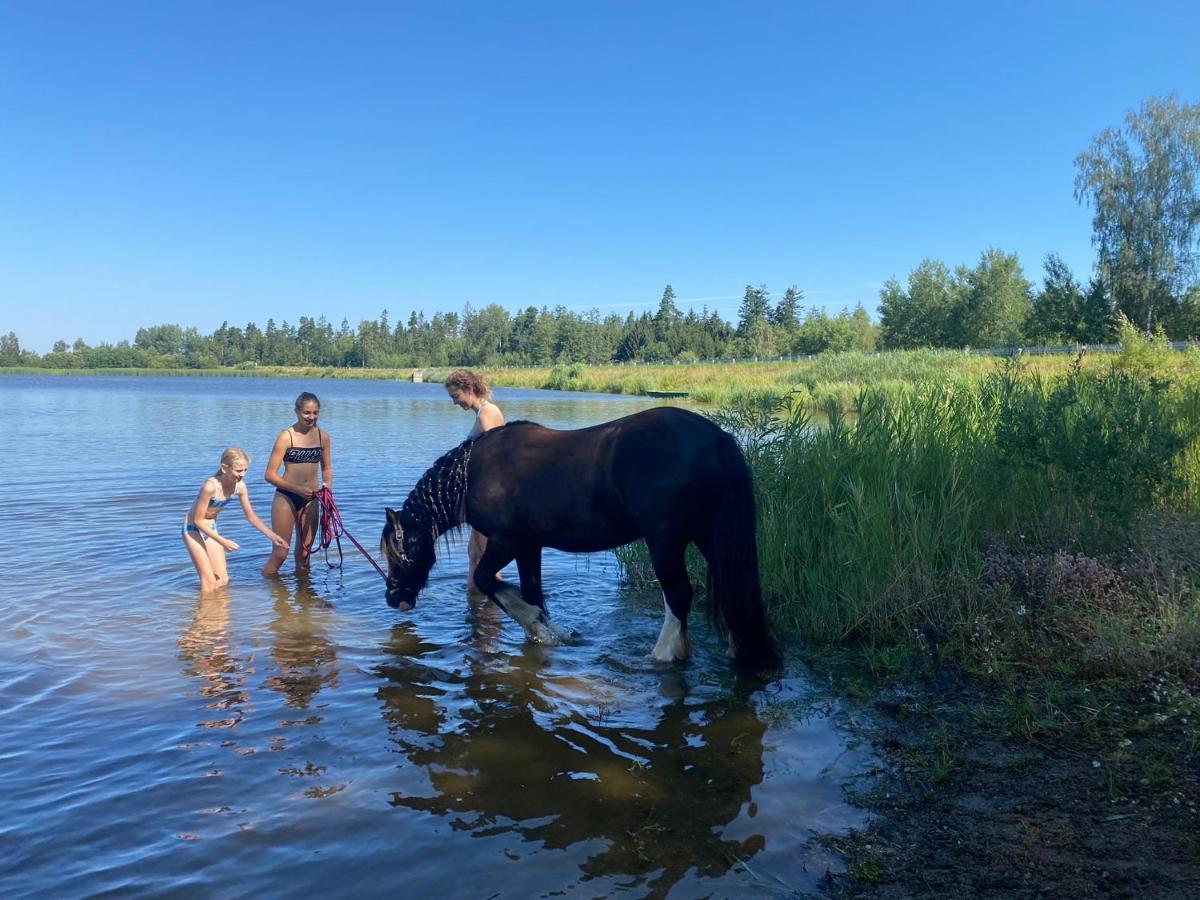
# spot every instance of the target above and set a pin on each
(230, 546)
(278, 541)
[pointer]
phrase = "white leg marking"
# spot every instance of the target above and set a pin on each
(528, 615)
(673, 642)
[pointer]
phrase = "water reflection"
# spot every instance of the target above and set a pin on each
(257, 702)
(301, 647)
(205, 648)
(642, 790)
(486, 621)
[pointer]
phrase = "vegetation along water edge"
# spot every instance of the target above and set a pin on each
(1003, 572)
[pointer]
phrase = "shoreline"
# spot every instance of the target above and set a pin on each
(963, 804)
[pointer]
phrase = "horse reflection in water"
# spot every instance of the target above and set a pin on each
(665, 475)
(304, 656)
(562, 763)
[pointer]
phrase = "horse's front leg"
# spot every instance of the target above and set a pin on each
(531, 615)
(529, 568)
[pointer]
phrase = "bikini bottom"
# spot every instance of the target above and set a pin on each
(298, 502)
(200, 534)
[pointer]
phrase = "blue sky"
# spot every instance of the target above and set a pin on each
(201, 162)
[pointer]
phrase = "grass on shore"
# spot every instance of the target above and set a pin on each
(1041, 531)
(829, 378)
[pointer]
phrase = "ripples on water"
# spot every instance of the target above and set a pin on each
(299, 736)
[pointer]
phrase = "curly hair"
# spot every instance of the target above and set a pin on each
(467, 381)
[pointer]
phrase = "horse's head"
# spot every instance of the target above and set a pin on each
(409, 555)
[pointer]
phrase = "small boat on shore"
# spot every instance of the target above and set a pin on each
(666, 393)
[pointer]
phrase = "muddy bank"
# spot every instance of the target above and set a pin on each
(962, 806)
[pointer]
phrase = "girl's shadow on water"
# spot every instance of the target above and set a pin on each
(205, 648)
(303, 653)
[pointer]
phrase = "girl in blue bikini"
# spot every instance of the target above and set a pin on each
(206, 547)
(302, 449)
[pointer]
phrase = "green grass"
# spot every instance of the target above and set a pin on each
(1020, 522)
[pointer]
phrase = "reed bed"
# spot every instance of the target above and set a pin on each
(830, 377)
(1010, 520)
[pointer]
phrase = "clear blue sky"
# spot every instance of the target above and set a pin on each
(208, 161)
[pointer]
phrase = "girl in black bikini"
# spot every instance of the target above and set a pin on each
(300, 449)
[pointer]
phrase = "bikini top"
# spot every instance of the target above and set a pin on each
(218, 504)
(295, 454)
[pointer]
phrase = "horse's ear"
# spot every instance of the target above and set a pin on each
(391, 514)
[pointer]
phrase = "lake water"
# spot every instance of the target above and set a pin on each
(297, 736)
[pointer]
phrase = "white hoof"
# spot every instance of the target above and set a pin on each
(542, 633)
(678, 651)
(531, 618)
(673, 642)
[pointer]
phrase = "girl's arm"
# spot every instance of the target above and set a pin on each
(274, 461)
(253, 519)
(327, 460)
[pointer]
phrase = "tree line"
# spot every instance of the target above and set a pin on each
(1140, 180)
(490, 336)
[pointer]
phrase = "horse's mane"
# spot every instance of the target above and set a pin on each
(438, 500)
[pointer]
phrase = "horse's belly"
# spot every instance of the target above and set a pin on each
(591, 539)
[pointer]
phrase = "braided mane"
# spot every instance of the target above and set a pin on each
(438, 500)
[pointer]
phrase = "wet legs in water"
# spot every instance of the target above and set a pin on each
(209, 559)
(283, 522)
(527, 605)
(667, 555)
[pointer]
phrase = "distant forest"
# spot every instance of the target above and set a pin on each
(990, 305)
(1141, 180)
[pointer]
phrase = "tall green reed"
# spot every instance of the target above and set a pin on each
(874, 527)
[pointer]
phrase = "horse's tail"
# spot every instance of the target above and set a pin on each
(733, 565)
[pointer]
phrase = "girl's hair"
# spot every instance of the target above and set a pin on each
(232, 455)
(306, 397)
(466, 380)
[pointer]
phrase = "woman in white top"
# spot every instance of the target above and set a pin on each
(469, 391)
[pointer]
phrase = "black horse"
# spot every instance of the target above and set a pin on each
(666, 475)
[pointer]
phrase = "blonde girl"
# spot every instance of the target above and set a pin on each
(205, 546)
(302, 449)
(470, 392)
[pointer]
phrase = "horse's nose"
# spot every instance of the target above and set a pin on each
(397, 599)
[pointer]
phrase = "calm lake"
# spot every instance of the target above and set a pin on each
(297, 736)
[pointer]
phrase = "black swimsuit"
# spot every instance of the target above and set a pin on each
(295, 454)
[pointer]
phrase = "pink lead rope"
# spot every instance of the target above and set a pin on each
(332, 528)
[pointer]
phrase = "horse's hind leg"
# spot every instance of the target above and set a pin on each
(667, 555)
(705, 543)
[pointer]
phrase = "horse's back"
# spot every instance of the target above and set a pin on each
(600, 486)
(668, 462)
